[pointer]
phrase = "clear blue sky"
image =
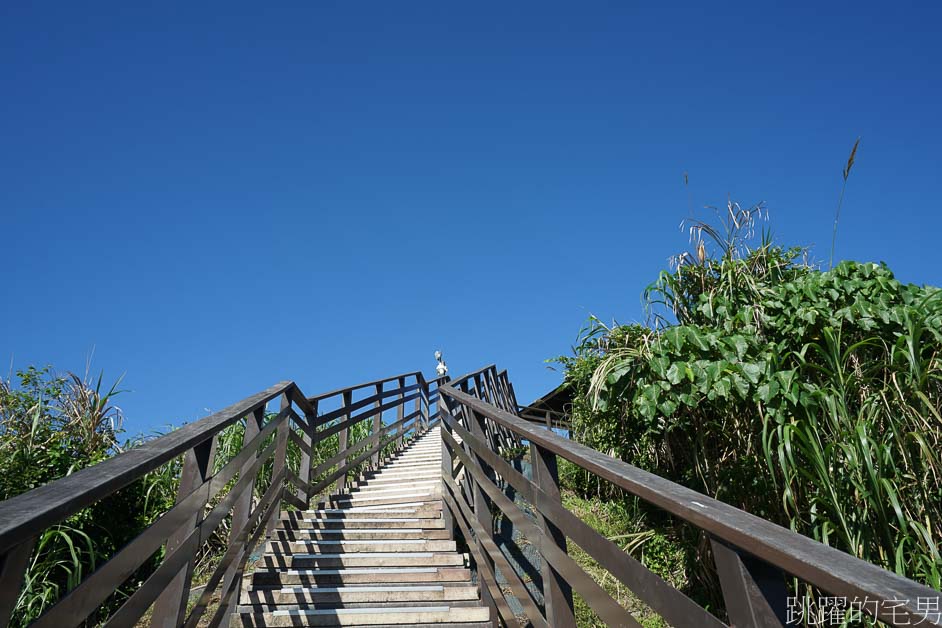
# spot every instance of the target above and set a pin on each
(216, 198)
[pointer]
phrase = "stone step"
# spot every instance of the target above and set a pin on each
(361, 559)
(379, 616)
(376, 594)
(358, 575)
(344, 546)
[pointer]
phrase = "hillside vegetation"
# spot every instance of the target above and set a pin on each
(809, 397)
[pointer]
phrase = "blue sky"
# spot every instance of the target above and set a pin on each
(214, 198)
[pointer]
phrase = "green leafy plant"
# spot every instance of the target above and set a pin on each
(810, 398)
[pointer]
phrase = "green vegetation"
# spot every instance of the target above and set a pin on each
(811, 398)
(623, 523)
(51, 426)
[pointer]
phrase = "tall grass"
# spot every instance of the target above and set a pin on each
(810, 398)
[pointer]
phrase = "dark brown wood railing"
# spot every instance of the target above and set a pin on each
(753, 557)
(203, 503)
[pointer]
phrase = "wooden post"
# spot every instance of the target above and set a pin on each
(463, 416)
(754, 591)
(13, 564)
(304, 470)
(242, 508)
(490, 383)
(346, 400)
(482, 505)
(401, 413)
(556, 591)
(170, 607)
(448, 470)
(281, 460)
(377, 424)
(422, 403)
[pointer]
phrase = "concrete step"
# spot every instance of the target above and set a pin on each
(345, 546)
(377, 554)
(397, 487)
(339, 523)
(414, 467)
(403, 482)
(399, 476)
(430, 457)
(361, 533)
(249, 607)
(376, 594)
(380, 616)
(379, 492)
(416, 509)
(357, 575)
(379, 501)
(378, 558)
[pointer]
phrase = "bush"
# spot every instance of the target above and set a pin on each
(50, 427)
(811, 398)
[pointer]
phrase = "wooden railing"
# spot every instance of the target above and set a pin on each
(752, 556)
(203, 502)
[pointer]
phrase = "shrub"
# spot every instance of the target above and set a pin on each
(810, 398)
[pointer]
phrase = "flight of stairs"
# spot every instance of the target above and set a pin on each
(376, 555)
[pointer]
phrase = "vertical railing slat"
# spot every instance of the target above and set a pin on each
(401, 412)
(242, 507)
(346, 400)
(304, 469)
(557, 592)
(421, 405)
(482, 505)
(170, 607)
(377, 424)
(280, 462)
(13, 564)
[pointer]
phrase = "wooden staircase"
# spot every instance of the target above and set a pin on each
(377, 554)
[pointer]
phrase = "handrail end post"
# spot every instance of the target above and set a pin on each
(557, 592)
(170, 607)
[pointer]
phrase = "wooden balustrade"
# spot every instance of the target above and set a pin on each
(202, 503)
(481, 424)
(753, 556)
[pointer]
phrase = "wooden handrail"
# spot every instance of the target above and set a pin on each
(49, 504)
(753, 555)
(186, 526)
(338, 391)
